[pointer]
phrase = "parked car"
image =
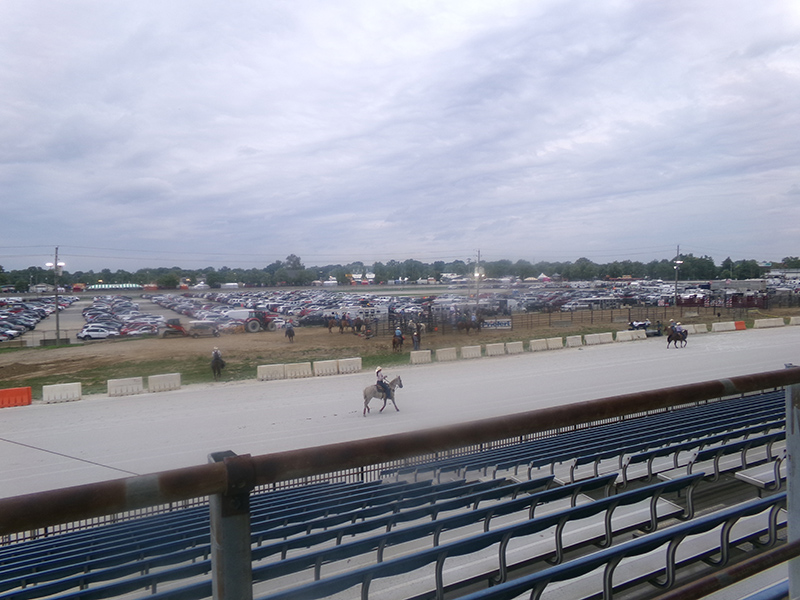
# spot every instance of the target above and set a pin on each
(96, 332)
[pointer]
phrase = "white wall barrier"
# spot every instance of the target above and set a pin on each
(763, 323)
(495, 349)
(794, 320)
(471, 352)
(298, 370)
(125, 387)
(419, 357)
(164, 383)
(514, 348)
(445, 354)
(639, 334)
(539, 345)
(573, 341)
(270, 372)
(554, 343)
(349, 365)
(61, 392)
(625, 336)
(723, 326)
(593, 339)
(326, 367)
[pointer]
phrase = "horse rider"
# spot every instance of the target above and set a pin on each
(676, 327)
(215, 353)
(382, 383)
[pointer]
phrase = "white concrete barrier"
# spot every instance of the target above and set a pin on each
(514, 348)
(495, 349)
(554, 343)
(61, 392)
(471, 352)
(625, 336)
(539, 345)
(700, 328)
(125, 387)
(794, 320)
(164, 382)
(445, 354)
(270, 372)
(593, 339)
(723, 326)
(573, 341)
(639, 334)
(326, 367)
(349, 365)
(298, 370)
(764, 323)
(419, 357)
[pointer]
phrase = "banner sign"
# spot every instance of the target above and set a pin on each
(496, 324)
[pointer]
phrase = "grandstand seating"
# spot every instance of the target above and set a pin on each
(458, 524)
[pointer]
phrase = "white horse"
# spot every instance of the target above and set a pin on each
(373, 391)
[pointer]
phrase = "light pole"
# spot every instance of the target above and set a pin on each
(57, 267)
(677, 268)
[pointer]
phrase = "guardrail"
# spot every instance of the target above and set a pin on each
(228, 478)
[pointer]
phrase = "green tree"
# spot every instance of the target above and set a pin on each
(169, 281)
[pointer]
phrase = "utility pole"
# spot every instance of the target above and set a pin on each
(56, 272)
(678, 263)
(477, 283)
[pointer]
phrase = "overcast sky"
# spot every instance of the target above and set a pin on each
(199, 133)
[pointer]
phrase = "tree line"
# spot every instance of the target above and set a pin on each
(292, 272)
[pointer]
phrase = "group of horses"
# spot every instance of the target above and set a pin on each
(354, 325)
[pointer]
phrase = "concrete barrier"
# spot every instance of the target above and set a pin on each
(298, 370)
(164, 383)
(539, 345)
(61, 392)
(794, 320)
(349, 365)
(495, 349)
(573, 341)
(763, 323)
(639, 334)
(624, 336)
(593, 339)
(326, 367)
(445, 354)
(723, 326)
(419, 357)
(19, 396)
(514, 348)
(700, 328)
(125, 387)
(471, 352)
(739, 325)
(270, 372)
(554, 343)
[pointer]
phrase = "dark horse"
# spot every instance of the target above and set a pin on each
(290, 333)
(397, 343)
(674, 336)
(217, 364)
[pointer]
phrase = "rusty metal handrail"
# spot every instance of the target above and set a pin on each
(43, 509)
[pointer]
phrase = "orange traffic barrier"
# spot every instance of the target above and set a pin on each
(740, 326)
(15, 397)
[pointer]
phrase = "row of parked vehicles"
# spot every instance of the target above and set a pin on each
(116, 316)
(18, 316)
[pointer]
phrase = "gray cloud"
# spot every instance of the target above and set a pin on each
(240, 133)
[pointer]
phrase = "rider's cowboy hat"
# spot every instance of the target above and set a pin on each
(378, 369)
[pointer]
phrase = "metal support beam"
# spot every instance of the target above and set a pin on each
(793, 478)
(231, 565)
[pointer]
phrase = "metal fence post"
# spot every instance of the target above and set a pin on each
(231, 563)
(793, 478)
